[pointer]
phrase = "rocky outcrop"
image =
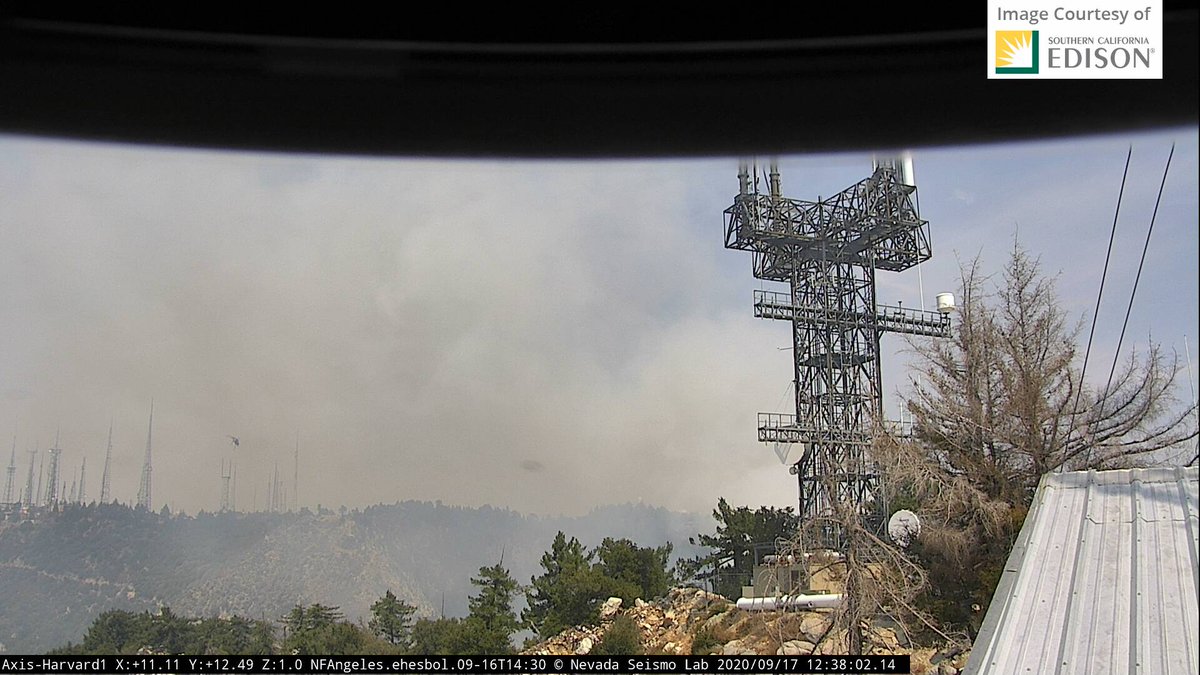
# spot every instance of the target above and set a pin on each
(693, 621)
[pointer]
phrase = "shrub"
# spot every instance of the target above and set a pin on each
(623, 637)
(704, 642)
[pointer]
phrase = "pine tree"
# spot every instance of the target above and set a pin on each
(634, 571)
(492, 620)
(392, 619)
(739, 532)
(568, 591)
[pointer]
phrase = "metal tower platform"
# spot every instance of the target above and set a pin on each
(828, 251)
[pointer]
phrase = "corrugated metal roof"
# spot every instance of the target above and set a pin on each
(1104, 578)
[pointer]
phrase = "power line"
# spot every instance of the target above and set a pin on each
(1100, 294)
(1136, 279)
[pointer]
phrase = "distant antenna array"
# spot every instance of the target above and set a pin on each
(828, 251)
(50, 490)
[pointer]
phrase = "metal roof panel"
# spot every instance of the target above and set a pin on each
(1104, 578)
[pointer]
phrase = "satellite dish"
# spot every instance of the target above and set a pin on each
(904, 526)
(782, 450)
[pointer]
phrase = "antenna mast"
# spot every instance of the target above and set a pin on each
(52, 477)
(104, 477)
(28, 497)
(143, 498)
(41, 476)
(81, 497)
(296, 474)
(226, 475)
(10, 474)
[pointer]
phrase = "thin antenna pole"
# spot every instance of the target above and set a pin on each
(296, 473)
(41, 476)
(1192, 387)
(1186, 350)
(104, 478)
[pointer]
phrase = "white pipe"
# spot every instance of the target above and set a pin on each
(907, 175)
(796, 601)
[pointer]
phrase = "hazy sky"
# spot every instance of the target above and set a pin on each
(547, 336)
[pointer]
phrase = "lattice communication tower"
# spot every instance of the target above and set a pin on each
(52, 493)
(144, 496)
(10, 476)
(828, 251)
(226, 475)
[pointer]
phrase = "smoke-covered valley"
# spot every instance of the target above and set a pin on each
(58, 574)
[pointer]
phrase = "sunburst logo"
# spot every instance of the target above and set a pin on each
(1016, 52)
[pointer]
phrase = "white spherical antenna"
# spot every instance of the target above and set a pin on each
(904, 526)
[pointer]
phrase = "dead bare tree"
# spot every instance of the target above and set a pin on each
(998, 405)
(997, 401)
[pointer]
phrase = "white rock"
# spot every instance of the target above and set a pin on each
(610, 607)
(585, 646)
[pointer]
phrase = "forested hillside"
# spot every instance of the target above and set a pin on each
(59, 574)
